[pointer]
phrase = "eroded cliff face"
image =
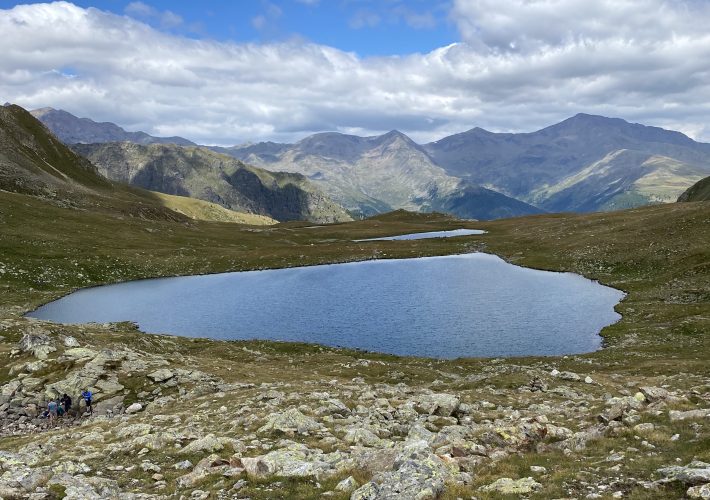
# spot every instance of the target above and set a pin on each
(203, 174)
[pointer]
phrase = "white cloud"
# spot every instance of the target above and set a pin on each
(166, 19)
(520, 66)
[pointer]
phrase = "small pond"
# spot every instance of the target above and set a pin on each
(445, 307)
(431, 234)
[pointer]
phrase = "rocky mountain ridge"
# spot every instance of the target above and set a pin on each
(369, 175)
(584, 163)
(206, 175)
(71, 130)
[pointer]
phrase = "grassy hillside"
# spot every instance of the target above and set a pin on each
(33, 161)
(274, 419)
(658, 255)
(205, 210)
(700, 191)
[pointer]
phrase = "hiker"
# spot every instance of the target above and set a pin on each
(88, 400)
(52, 410)
(66, 403)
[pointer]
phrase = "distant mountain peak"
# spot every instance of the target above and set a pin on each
(74, 130)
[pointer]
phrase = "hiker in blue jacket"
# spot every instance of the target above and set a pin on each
(88, 400)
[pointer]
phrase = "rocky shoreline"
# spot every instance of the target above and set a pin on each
(167, 426)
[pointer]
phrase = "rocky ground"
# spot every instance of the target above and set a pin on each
(193, 418)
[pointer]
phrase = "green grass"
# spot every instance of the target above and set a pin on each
(659, 255)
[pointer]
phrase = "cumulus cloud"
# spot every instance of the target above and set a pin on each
(515, 69)
(166, 19)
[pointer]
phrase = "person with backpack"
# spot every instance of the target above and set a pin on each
(66, 403)
(52, 411)
(88, 399)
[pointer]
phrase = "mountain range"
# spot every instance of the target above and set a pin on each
(582, 164)
(34, 162)
(585, 163)
(200, 173)
(369, 175)
(71, 129)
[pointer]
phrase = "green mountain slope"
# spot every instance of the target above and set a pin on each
(622, 179)
(206, 175)
(34, 162)
(700, 191)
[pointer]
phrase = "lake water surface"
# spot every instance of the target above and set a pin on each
(431, 234)
(446, 307)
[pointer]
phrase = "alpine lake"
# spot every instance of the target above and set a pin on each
(469, 305)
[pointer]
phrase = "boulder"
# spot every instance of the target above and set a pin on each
(417, 473)
(508, 486)
(695, 473)
(290, 421)
(209, 444)
(440, 404)
(36, 342)
(362, 436)
(347, 485)
(653, 394)
(161, 375)
(702, 492)
(569, 376)
(134, 408)
(677, 416)
(295, 460)
(71, 342)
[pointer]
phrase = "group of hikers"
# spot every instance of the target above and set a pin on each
(59, 408)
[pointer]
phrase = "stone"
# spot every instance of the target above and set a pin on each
(702, 492)
(185, 464)
(695, 473)
(254, 466)
(71, 342)
(362, 436)
(161, 375)
(295, 460)
(347, 485)
(677, 416)
(210, 465)
(417, 473)
(209, 444)
(588, 380)
(150, 467)
(653, 394)
(537, 469)
(508, 486)
(440, 404)
(36, 342)
(134, 408)
(570, 376)
(645, 427)
(290, 421)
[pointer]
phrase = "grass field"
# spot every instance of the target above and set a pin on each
(659, 255)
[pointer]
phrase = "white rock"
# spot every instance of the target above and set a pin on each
(134, 408)
(588, 380)
(71, 342)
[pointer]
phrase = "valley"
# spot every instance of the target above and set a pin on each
(181, 416)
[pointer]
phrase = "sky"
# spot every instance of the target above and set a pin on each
(232, 72)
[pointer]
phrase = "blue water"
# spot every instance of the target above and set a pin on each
(445, 307)
(432, 234)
